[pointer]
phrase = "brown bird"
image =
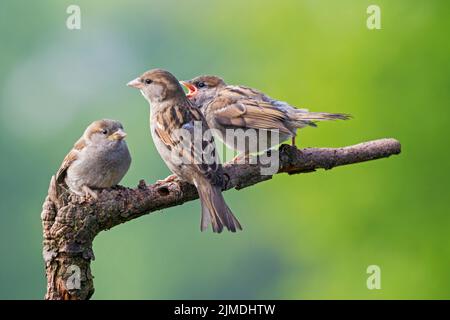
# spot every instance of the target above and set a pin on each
(239, 107)
(173, 125)
(99, 159)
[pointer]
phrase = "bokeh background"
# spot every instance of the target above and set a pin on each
(306, 236)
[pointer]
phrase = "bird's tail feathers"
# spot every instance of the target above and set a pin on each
(214, 209)
(309, 118)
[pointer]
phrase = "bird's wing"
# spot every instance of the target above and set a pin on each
(246, 108)
(69, 159)
(243, 91)
(201, 154)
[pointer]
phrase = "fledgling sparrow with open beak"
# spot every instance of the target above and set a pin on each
(171, 113)
(99, 159)
(239, 107)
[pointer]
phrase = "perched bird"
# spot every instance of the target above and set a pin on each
(238, 107)
(173, 121)
(99, 159)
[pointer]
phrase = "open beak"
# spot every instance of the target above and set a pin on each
(118, 135)
(136, 83)
(192, 89)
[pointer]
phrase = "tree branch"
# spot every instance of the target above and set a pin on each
(71, 223)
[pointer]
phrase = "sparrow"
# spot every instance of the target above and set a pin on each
(238, 107)
(99, 159)
(173, 120)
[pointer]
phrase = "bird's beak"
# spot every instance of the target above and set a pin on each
(192, 89)
(118, 135)
(136, 83)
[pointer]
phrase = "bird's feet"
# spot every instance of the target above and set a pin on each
(89, 193)
(293, 142)
(169, 179)
(241, 158)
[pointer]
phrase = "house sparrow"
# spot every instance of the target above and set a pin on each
(99, 159)
(171, 115)
(238, 107)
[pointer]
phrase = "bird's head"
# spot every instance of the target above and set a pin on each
(105, 132)
(157, 85)
(203, 89)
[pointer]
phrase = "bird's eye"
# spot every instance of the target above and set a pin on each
(201, 84)
(104, 131)
(148, 81)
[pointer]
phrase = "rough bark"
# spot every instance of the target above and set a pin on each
(70, 223)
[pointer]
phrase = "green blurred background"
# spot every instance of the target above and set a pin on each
(306, 236)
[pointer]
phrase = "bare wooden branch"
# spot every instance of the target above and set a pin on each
(71, 223)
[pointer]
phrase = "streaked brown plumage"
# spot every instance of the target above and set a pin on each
(239, 107)
(170, 112)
